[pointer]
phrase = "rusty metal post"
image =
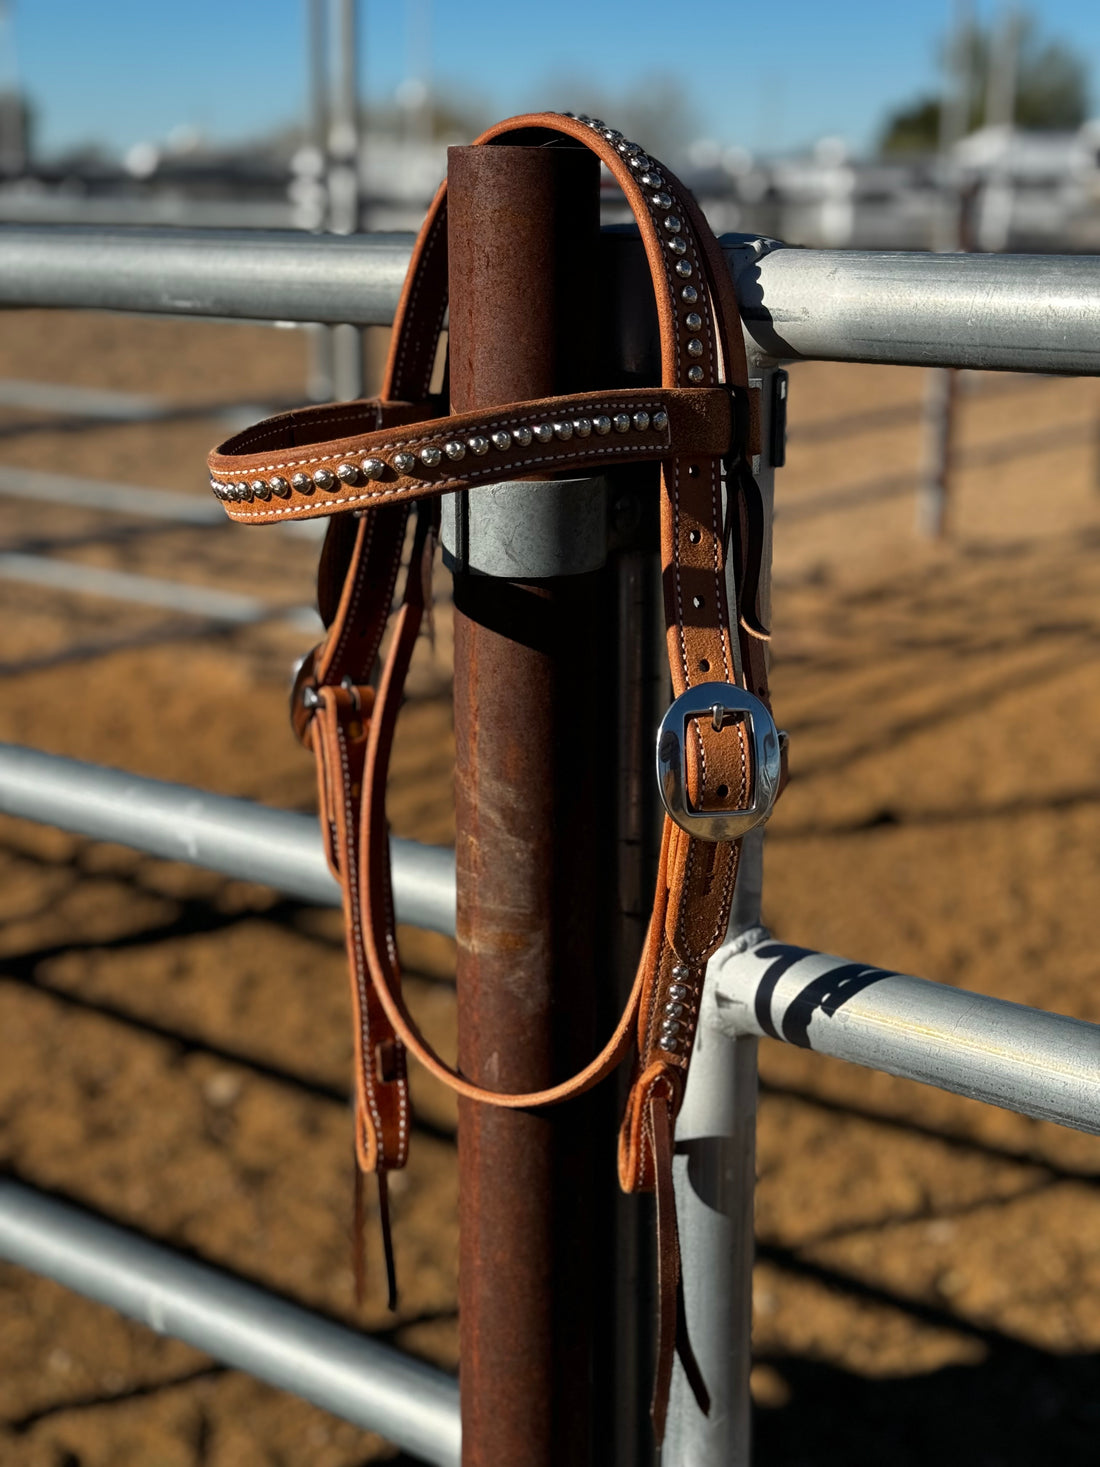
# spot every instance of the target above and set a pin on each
(534, 793)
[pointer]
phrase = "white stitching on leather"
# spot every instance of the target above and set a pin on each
(719, 585)
(418, 280)
(309, 417)
(441, 432)
(442, 485)
(425, 383)
(352, 871)
(346, 631)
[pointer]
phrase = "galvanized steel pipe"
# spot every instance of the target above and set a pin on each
(411, 1404)
(1015, 313)
(266, 275)
(279, 848)
(1025, 313)
(1026, 1060)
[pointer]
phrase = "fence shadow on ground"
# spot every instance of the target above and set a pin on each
(1020, 1407)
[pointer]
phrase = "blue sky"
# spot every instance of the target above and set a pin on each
(766, 76)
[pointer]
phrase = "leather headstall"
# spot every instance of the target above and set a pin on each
(366, 464)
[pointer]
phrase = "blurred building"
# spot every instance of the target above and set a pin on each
(1030, 191)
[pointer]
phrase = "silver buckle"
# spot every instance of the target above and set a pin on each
(719, 701)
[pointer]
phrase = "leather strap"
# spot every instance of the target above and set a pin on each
(278, 471)
(364, 464)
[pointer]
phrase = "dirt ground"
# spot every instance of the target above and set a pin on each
(174, 1047)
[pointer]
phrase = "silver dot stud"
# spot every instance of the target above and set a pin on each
(695, 347)
(681, 970)
(430, 456)
(373, 468)
(641, 421)
(669, 1043)
(543, 432)
(261, 489)
(602, 425)
(659, 420)
(347, 473)
(563, 430)
(302, 483)
(324, 478)
(582, 427)
(674, 1010)
(244, 492)
(695, 374)
(679, 991)
(621, 422)
(502, 440)
(280, 487)
(673, 223)
(689, 294)
(479, 445)
(404, 463)
(652, 179)
(693, 321)
(683, 268)
(662, 201)
(677, 245)
(522, 436)
(454, 450)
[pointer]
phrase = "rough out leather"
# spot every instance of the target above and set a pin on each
(367, 464)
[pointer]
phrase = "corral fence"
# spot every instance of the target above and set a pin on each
(1033, 314)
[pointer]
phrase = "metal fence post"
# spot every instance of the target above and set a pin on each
(534, 795)
(715, 1164)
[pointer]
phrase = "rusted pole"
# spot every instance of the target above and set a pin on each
(534, 793)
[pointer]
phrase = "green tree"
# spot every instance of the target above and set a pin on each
(1052, 88)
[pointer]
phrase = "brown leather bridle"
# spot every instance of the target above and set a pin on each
(365, 464)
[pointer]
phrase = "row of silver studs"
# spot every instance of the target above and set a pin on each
(680, 1009)
(659, 201)
(678, 1019)
(432, 456)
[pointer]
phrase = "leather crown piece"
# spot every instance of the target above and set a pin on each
(365, 464)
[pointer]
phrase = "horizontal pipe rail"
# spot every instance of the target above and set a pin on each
(279, 848)
(1015, 313)
(232, 608)
(38, 486)
(409, 1403)
(1035, 313)
(41, 487)
(1026, 1060)
(284, 275)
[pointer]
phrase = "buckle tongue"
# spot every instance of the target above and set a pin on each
(723, 702)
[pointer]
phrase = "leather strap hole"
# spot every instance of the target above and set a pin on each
(385, 1057)
(704, 665)
(722, 791)
(693, 471)
(694, 536)
(698, 602)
